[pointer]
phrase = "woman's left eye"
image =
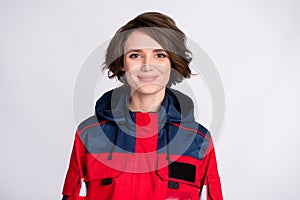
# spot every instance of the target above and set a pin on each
(161, 55)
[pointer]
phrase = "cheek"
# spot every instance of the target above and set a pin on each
(130, 65)
(165, 70)
(131, 78)
(129, 74)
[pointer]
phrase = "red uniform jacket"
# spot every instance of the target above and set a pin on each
(164, 155)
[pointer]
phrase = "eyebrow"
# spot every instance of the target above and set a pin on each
(140, 50)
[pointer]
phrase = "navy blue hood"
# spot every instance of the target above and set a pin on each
(113, 106)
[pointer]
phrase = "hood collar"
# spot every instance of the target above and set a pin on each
(113, 106)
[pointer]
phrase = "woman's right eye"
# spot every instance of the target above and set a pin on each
(134, 55)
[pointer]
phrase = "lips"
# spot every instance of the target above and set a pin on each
(147, 78)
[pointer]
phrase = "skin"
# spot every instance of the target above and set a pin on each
(147, 69)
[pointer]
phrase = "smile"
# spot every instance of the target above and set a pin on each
(147, 78)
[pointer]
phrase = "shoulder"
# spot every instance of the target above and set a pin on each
(194, 138)
(90, 123)
(103, 103)
(194, 128)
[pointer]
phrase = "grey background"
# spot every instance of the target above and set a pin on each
(254, 45)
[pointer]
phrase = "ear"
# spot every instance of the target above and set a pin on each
(122, 69)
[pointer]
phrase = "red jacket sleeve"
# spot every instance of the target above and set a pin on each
(76, 170)
(212, 179)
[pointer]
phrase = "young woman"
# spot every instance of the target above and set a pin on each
(143, 142)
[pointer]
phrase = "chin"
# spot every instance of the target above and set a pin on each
(150, 89)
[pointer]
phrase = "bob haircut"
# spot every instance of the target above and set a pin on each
(162, 29)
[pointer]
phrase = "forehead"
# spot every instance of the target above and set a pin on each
(140, 40)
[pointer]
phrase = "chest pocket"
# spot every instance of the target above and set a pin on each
(179, 179)
(182, 171)
(103, 176)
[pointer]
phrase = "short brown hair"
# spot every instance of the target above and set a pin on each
(162, 29)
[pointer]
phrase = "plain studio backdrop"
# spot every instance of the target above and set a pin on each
(253, 44)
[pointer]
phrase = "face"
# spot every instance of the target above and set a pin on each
(146, 64)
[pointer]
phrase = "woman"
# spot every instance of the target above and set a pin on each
(143, 141)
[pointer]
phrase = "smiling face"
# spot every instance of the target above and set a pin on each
(146, 64)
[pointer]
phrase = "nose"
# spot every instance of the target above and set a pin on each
(147, 64)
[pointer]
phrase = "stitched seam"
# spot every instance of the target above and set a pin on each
(192, 130)
(91, 125)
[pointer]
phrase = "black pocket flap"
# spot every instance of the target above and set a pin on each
(183, 170)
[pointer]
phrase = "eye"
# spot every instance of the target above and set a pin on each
(161, 55)
(134, 55)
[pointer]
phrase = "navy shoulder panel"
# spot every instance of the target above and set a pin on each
(197, 137)
(203, 131)
(194, 127)
(92, 120)
(104, 136)
(94, 136)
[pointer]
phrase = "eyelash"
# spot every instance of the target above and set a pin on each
(133, 55)
(159, 55)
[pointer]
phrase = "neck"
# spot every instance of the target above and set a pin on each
(146, 102)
